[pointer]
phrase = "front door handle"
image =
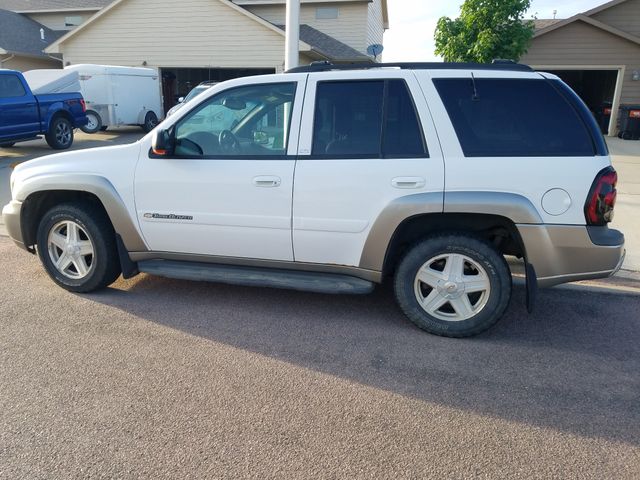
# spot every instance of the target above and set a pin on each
(408, 182)
(267, 181)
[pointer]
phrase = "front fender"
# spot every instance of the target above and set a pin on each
(99, 186)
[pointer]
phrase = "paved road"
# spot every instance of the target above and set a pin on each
(626, 160)
(38, 148)
(155, 378)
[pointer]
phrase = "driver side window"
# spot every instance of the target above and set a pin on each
(245, 121)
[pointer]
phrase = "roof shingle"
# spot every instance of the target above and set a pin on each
(21, 35)
(42, 5)
(328, 46)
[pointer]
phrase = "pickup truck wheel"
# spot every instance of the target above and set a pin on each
(7, 145)
(60, 134)
(150, 122)
(77, 248)
(95, 123)
(453, 285)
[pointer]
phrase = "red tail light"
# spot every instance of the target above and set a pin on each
(602, 198)
(84, 105)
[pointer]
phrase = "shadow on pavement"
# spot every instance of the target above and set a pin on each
(571, 366)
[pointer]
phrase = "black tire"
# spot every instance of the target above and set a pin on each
(104, 128)
(7, 145)
(95, 124)
(483, 254)
(60, 134)
(150, 122)
(104, 267)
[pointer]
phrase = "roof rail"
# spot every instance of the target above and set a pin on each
(325, 66)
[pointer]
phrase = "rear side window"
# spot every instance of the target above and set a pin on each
(366, 119)
(11, 86)
(402, 132)
(513, 118)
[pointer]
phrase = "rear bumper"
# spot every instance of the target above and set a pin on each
(567, 253)
(11, 220)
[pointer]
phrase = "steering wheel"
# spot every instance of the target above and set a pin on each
(228, 141)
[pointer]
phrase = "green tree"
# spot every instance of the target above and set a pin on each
(485, 30)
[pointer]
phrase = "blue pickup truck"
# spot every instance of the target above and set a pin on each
(24, 116)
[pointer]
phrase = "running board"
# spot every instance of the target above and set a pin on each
(258, 277)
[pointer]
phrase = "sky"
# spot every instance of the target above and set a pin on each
(412, 23)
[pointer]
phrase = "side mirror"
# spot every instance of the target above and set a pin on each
(181, 99)
(162, 143)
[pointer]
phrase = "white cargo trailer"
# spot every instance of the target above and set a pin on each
(115, 96)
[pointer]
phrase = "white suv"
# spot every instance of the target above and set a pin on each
(332, 178)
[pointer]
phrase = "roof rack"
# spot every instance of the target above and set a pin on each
(325, 66)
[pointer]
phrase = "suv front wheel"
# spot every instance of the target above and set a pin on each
(453, 285)
(77, 248)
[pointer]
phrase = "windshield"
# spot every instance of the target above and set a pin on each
(195, 92)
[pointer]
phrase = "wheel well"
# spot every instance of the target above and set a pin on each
(38, 203)
(60, 113)
(499, 231)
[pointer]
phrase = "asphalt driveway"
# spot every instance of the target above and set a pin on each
(155, 378)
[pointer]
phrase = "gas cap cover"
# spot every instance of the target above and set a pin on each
(556, 201)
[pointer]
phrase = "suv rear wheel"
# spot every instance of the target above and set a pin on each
(77, 248)
(453, 285)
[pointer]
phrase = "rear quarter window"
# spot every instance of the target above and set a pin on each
(513, 118)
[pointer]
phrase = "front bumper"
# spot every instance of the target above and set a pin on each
(567, 253)
(11, 220)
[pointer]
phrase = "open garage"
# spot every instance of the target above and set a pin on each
(597, 53)
(597, 87)
(178, 82)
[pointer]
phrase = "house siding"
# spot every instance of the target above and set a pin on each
(24, 64)
(375, 24)
(350, 27)
(581, 44)
(170, 35)
(625, 17)
(56, 21)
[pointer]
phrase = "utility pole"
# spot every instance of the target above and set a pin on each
(292, 35)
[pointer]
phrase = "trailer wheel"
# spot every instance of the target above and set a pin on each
(150, 122)
(95, 122)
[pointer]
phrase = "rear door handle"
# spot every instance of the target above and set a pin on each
(408, 182)
(267, 181)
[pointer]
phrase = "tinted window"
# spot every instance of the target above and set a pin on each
(348, 119)
(349, 116)
(402, 132)
(513, 117)
(247, 121)
(11, 86)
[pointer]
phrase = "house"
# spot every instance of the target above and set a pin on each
(597, 53)
(195, 40)
(22, 41)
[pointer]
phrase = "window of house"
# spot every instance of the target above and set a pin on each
(349, 118)
(11, 87)
(249, 121)
(74, 21)
(513, 118)
(327, 13)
